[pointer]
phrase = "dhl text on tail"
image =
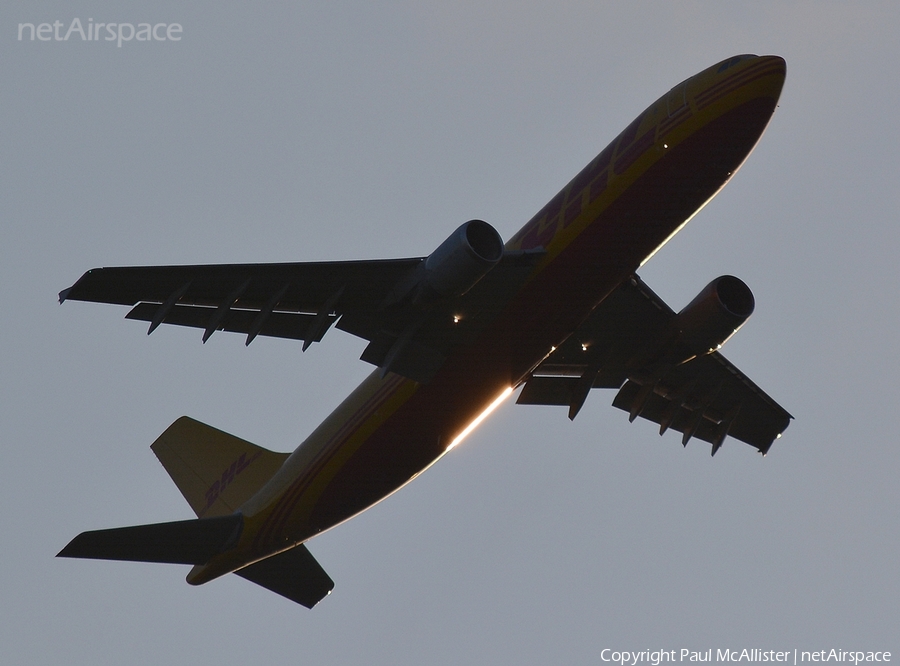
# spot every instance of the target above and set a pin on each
(556, 311)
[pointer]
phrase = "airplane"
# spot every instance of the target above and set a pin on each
(557, 310)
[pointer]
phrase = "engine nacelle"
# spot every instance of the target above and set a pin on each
(715, 314)
(461, 261)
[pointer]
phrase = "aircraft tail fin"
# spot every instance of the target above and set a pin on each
(216, 472)
(182, 542)
(293, 574)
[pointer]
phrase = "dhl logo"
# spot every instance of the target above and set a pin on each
(594, 179)
(228, 476)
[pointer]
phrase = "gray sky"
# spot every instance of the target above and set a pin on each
(345, 130)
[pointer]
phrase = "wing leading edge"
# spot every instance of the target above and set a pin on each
(630, 342)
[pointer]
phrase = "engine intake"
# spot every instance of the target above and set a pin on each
(715, 314)
(461, 261)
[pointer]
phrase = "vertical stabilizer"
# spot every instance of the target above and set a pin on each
(216, 472)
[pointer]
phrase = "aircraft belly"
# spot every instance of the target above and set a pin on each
(417, 435)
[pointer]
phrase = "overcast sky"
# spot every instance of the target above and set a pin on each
(349, 130)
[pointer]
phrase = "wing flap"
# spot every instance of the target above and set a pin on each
(290, 325)
(707, 398)
(292, 300)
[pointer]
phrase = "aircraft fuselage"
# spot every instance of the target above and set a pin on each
(612, 217)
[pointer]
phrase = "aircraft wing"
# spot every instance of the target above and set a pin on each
(302, 300)
(289, 300)
(624, 344)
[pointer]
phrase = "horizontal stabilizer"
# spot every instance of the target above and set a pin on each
(181, 542)
(294, 574)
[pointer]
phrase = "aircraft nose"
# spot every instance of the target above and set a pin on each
(738, 80)
(772, 70)
(774, 60)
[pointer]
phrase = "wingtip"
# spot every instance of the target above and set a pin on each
(71, 549)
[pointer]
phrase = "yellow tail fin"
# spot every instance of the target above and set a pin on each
(216, 472)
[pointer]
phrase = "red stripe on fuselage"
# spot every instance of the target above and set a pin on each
(674, 120)
(271, 531)
(737, 74)
(741, 78)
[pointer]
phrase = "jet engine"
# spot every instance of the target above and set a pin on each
(460, 261)
(714, 315)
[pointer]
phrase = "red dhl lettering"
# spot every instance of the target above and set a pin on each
(593, 180)
(628, 155)
(228, 476)
(572, 211)
(631, 147)
(591, 170)
(598, 187)
(628, 135)
(540, 235)
(542, 227)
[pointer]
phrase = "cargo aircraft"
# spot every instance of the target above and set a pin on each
(556, 311)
